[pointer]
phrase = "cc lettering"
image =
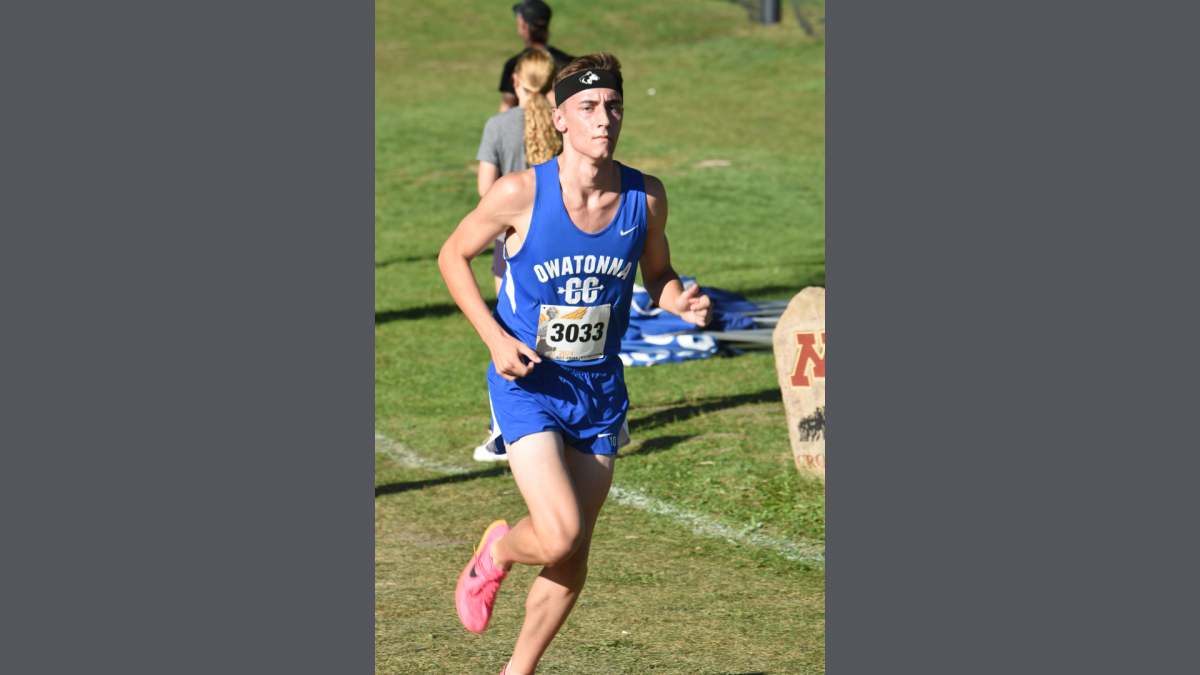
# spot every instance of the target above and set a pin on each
(591, 289)
(572, 291)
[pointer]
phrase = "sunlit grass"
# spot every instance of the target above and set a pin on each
(709, 435)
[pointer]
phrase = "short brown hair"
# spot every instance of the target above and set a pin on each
(597, 61)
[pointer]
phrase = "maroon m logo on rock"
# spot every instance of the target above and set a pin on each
(810, 363)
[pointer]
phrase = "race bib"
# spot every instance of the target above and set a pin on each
(572, 333)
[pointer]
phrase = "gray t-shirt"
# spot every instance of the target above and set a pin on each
(503, 141)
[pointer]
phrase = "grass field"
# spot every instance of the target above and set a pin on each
(710, 436)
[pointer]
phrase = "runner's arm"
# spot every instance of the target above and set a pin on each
(503, 204)
(659, 278)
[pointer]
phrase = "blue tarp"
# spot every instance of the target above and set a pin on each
(652, 337)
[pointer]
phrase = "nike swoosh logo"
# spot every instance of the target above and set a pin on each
(625, 232)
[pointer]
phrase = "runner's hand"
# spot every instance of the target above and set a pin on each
(693, 307)
(513, 358)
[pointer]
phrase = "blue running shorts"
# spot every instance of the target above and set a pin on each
(585, 403)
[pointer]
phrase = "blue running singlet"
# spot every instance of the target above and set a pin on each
(566, 294)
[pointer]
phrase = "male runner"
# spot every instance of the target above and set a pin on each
(577, 227)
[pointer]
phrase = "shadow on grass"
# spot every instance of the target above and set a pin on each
(658, 445)
(432, 257)
(394, 488)
(406, 259)
(686, 412)
(444, 309)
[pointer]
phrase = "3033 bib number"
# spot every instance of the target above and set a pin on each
(574, 332)
(568, 333)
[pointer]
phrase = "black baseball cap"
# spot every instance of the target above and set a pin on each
(535, 12)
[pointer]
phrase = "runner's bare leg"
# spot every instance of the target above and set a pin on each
(564, 489)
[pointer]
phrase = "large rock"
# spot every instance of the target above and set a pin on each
(800, 361)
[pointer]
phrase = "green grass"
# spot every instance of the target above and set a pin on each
(655, 593)
(710, 436)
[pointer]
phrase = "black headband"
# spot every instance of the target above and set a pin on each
(589, 79)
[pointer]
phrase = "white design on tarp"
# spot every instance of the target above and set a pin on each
(698, 342)
(648, 310)
(589, 78)
(661, 340)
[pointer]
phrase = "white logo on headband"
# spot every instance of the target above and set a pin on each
(589, 78)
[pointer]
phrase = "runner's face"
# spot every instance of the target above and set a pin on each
(591, 120)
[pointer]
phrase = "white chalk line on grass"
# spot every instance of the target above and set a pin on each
(705, 526)
(698, 523)
(398, 452)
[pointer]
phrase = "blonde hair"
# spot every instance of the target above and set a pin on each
(535, 71)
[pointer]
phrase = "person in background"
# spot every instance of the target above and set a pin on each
(513, 141)
(533, 25)
(522, 136)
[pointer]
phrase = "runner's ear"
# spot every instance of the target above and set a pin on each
(560, 122)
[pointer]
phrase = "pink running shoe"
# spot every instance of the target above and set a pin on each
(476, 592)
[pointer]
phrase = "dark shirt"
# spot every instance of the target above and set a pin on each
(506, 85)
